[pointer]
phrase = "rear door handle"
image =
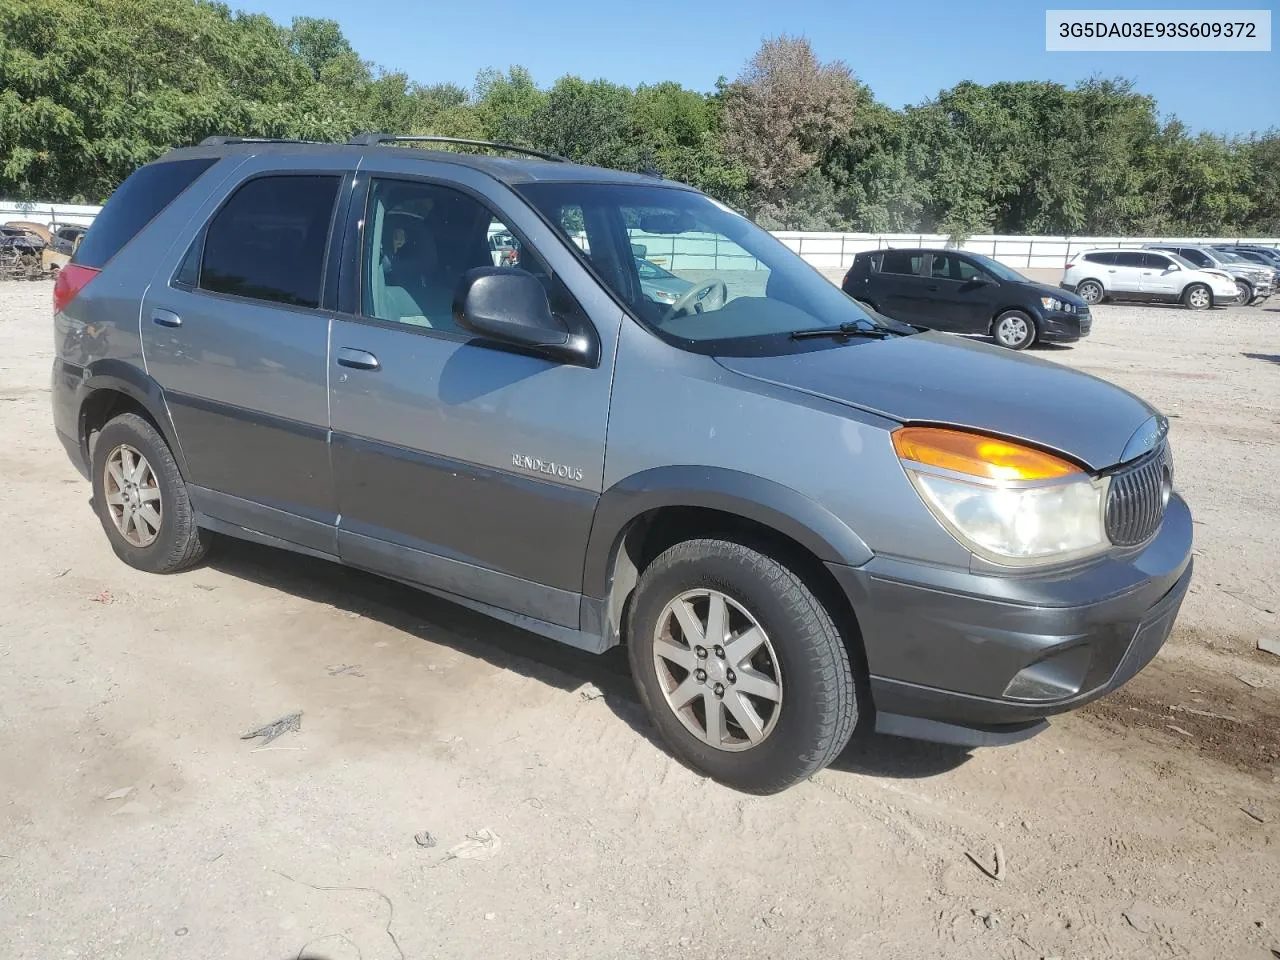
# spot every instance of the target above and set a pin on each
(165, 318)
(357, 359)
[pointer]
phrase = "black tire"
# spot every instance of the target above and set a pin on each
(1192, 299)
(1015, 329)
(819, 700)
(1244, 292)
(1091, 291)
(179, 543)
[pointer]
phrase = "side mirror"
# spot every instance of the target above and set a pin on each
(509, 305)
(1172, 268)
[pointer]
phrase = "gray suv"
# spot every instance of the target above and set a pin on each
(800, 517)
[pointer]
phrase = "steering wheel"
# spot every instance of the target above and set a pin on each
(699, 299)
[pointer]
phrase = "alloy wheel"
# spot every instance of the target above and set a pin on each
(1011, 331)
(1090, 292)
(133, 495)
(1198, 298)
(718, 670)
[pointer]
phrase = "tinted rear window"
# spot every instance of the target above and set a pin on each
(901, 261)
(146, 192)
(268, 242)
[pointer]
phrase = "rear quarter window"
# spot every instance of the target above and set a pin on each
(1103, 258)
(136, 202)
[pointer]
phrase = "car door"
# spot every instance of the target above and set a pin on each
(898, 283)
(958, 297)
(1125, 275)
(236, 334)
(463, 465)
(1160, 276)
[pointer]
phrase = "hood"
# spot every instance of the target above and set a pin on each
(1058, 293)
(942, 379)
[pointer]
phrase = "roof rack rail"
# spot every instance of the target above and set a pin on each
(375, 139)
(223, 141)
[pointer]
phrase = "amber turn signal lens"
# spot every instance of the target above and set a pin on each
(987, 457)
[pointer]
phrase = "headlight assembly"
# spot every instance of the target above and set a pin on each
(1007, 503)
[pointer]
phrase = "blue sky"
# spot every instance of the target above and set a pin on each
(905, 51)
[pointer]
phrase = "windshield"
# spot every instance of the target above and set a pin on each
(650, 271)
(999, 269)
(1228, 257)
(746, 292)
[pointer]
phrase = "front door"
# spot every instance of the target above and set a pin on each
(963, 296)
(460, 464)
(1160, 276)
(234, 331)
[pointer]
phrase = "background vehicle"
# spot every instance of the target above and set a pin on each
(660, 285)
(1097, 275)
(66, 236)
(20, 251)
(793, 514)
(1253, 282)
(1263, 256)
(966, 293)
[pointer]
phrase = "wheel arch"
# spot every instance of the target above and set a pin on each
(111, 387)
(641, 516)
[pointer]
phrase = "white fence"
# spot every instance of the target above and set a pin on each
(48, 213)
(827, 251)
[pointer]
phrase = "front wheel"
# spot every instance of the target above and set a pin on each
(1244, 293)
(741, 667)
(1014, 329)
(1198, 297)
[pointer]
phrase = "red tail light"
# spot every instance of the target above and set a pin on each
(72, 278)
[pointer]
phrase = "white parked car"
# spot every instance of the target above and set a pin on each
(1097, 275)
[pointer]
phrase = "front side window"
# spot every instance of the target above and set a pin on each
(1196, 257)
(420, 239)
(1155, 261)
(268, 241)
(947, 267)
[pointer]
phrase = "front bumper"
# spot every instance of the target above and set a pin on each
(975, 659)
(1064, 327)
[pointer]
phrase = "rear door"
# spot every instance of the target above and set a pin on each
(898, 283)
(460, 464)
(1160, 276)
(236, 332)
(1125, 275)
(959, 296)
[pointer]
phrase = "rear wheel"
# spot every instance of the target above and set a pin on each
(1014, 329)
(740, 666)
(1197, 297)
(1090, 291)
(141, 499)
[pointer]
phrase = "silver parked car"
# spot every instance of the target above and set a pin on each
(799, 517)
(1254, 282)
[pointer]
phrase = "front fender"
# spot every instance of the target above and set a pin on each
(770, 504)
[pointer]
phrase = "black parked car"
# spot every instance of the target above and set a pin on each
(966, 293)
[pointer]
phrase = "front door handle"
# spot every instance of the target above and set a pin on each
(165, 318)
(932, 286)
(357, 359)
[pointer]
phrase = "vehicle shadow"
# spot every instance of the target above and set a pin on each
(438, 621)
(1268, 357)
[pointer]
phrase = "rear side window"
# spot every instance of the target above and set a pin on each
(1103, 258)
(268, 241)
(901, 261)
(146, 192)
(1130, 259)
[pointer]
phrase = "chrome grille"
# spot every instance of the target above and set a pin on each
(1137, 498)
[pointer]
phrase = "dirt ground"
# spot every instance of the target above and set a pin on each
(136, 823)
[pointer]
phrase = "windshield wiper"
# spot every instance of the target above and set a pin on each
(847, 329)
